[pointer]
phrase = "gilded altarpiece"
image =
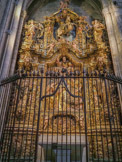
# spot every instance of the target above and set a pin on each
(63, 44)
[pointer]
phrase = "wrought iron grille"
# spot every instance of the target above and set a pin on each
(61, 117)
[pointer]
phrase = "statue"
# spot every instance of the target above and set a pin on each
(40, 31)
(98, 34)
(69, 24)
(64, 62)
(58, 62)
(30, 30)
(66, 29)
(64, 4)
(61, 30)
(50, 49)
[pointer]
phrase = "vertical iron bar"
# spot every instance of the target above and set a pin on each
(66, 124)
(99, 117)
(70, 79)
(74, 79)
(79, 85)
(58, 120)
(6, 129)
(49, 114)
(52, 121)
(114, 157)
(103, 107)
(44, 113)
(118, 121)
(19, 121)
(62, 121)
(113, 116)
(30, 109)
(93, 89)
(91, 118)
(36, 144)
(11, 139)
(84, 96)
(25, 115)
(34, 116)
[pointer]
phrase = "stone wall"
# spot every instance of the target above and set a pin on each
(3, 4)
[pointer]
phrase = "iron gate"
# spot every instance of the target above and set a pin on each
(61, 117)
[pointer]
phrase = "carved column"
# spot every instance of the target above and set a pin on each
(114, 40)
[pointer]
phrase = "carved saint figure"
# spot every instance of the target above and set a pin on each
(30, 29)
(40, 31)
(98, 31)
(64, 62)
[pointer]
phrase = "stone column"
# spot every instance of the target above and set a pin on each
(11, 40)
(114, 40)
(5, 27)
(7, 61)
(115, 9)
(18, 38)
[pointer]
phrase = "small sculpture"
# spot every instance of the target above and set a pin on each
(50, 49)
(30, 29)
(40, 31)
(64, 4)
(58, 62)
(64, 62)
(98, 33)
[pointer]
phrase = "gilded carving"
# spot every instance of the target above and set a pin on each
(64, 41)
(64, 32)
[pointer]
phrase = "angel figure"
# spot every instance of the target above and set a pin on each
(51, 48)
(75, 47)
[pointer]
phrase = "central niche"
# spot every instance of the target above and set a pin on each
(64, 27)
